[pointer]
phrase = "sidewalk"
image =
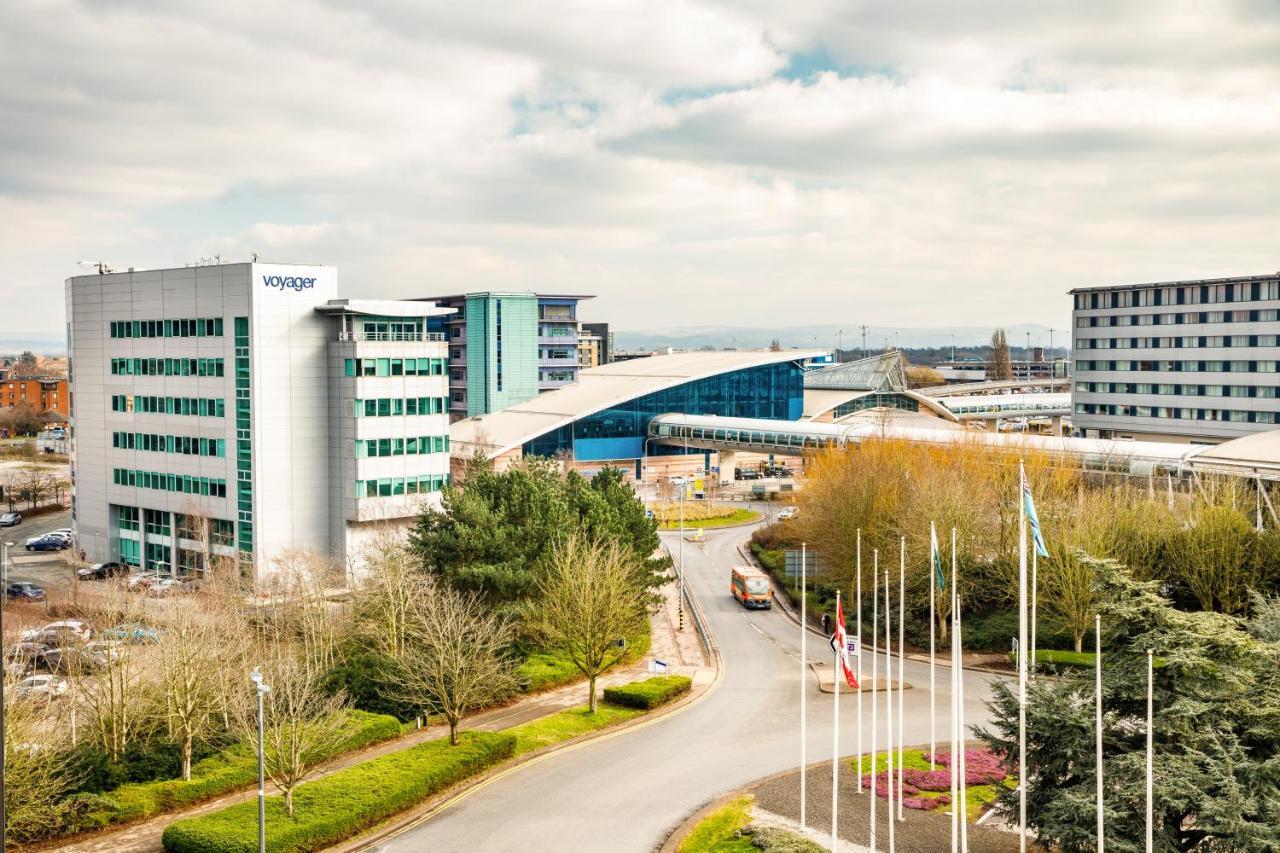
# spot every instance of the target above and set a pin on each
(681, 650)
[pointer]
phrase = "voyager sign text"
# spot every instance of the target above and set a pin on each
(288, 282)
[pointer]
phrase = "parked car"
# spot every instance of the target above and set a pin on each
(142, 580)
(77, 628)
(105, 650)
(24, 591)
(165, 586)
(73, 658)
(22, 658)
(132, 633)
(10, 519)
(62, 531)
(788, 512)
(102, 571)
(40, 688)
(48, 543)
(746, 474)
(777, 471)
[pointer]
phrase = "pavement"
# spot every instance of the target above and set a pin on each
(628, 793)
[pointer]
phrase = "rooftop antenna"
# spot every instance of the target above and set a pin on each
(101, 266)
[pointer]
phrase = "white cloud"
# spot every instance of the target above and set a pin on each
(936, 164)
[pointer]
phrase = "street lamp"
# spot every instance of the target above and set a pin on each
(680, 573)
(263, 690)
(4, 578)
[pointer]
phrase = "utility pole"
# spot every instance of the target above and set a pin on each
(839, 344)
(864, 341)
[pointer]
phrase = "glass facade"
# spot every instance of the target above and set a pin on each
(166, 366)
(244, 448)
(390, 406)
(878, 399)
(184, 483)
(390, 486)
(205, 407)
(199, 327)
(183, 444)
(773, 391)
(394, 366)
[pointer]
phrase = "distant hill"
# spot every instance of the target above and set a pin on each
(38, 344)
(827, 337)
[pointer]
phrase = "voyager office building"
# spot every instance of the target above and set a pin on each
(241, 410)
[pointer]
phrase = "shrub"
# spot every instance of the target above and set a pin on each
(367, 677)
(343, 803)
(233, 767)
(143, 761)
(649, 693)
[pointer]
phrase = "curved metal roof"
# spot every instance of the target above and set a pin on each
(600, 388)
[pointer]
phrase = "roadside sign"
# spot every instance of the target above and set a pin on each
(813, 564)
(657, 667)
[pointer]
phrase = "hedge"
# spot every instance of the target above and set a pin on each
(650, 693)
(225, 771)
(342, 804)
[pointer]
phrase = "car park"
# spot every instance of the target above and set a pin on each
(48, 543)
(40, 688)
(72, 659)
(788, 512)
(24, 591)
(22, 658)
(10, 519)
(101, 571)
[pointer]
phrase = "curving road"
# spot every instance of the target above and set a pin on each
(628, 793)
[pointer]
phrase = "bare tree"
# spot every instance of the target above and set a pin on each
(1001, 364)
(392, 584)
(37, 773)
(302, 722)
(301, 611)
(456, 658)
(590, 602)
(190, 658)
(116, 692)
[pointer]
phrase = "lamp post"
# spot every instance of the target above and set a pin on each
(4, 578)
(263, 689)
(680, 573)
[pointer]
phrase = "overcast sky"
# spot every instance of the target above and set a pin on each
(693, 163)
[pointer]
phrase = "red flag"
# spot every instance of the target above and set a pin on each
(840, 642)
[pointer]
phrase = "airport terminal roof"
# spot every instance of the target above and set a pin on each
(600, 388)
(883, 372)
(1257, 453)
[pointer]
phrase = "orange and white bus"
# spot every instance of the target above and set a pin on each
(751, 587)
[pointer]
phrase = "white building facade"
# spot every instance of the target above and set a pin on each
(242, 410)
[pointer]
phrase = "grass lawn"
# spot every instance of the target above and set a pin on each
(716, 833)
(542, 670)
(737, 516)
(568, 724)
(978, 798)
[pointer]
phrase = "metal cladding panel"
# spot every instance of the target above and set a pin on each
(290, 414)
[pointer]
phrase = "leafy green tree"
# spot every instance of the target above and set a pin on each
(497, 529)
(1216, 735)
(1215, 557)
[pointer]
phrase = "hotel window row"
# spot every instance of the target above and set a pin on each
(391, 406)
(401, 446)
(183, 483)
(166, 366)
(392, 486)
(200, 327)
(1196, 294)
(1190, 342)
(394, 366)
(1238, 366)
(1178, 413)
(205, 407)
(183, 444)
(1262, 391)
(1094, 321)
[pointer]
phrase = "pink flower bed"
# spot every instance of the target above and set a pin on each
(982, 767)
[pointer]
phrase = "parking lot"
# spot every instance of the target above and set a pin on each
(49, 569)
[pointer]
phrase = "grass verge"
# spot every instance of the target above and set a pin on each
(738, 516)
(543, 670)
(338, 806)
(569, 724)
(718, 831)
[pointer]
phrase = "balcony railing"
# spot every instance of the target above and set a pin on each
(427, 337)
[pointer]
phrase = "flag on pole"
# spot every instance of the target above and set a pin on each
(939, 576)
(1033, 520)
(840, 645)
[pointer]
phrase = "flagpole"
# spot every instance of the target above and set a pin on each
(836, 674)
(955, 683)
(1150, 721)
(888, 704)
(875, 724)
(859, 635)
(1022, 659)
(1097, 714)
(964, 764)
(933, 707)
(1035, 588)
(804, 570)
(902, 597)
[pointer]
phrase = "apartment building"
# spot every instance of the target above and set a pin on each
(242, 410)
(1177, 361)
(45, 394)
(507, 347)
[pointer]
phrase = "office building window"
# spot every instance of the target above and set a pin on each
(183, 483)
(200, 327)
(393, 486)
